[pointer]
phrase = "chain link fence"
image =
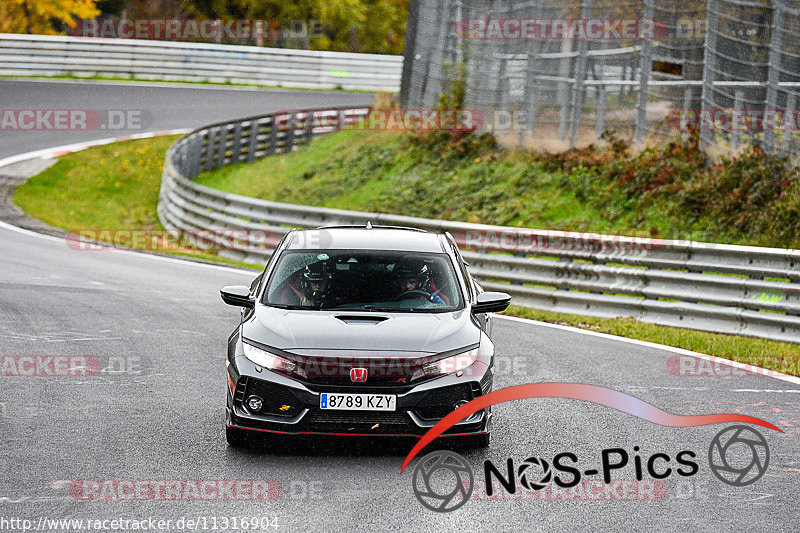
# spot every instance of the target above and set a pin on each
(558, 73)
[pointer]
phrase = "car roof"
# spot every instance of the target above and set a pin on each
(365, 238)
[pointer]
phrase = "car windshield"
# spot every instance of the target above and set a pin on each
(364, 281)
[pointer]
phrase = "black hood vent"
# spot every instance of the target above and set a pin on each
(362, 319)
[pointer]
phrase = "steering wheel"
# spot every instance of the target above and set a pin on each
(412, 294)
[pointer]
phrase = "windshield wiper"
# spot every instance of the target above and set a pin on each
(370, 307)
(290, 307)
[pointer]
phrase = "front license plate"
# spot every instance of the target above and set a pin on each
(358, 402)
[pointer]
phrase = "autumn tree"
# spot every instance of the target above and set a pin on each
(43, 16)
(376, 26)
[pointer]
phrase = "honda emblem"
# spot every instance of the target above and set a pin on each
(358, 375)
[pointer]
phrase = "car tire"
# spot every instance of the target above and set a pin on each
(237, 438)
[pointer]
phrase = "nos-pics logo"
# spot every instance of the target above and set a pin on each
(443, 481)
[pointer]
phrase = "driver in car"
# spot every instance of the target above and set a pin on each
(315, 284)
(414, 279)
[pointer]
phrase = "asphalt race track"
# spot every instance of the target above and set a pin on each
(160, 106)
(155, 411)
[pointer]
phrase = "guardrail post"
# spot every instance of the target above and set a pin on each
(236, 149)
(645, 67)
(252, 145)
(194, 149)
(211, 147)
(272, 147)
(221, 147)
(309, 127)
(288, 145)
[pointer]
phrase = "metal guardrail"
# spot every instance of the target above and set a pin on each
(46, 55)
(739, 290)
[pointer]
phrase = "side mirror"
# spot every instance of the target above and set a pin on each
(237, 295)
(491, 302)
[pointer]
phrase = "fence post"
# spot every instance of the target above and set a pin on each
(580, 76)
(706, 100)
(563, 89)
(737, 112)
(600, 122)
(260, 33)
(532, 88)
(687, 109)
(773, 74)
(788, 134)
(409, 52)
(645, 67)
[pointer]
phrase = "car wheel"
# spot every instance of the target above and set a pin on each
(236, 438)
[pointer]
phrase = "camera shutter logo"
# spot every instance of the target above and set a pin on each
(443, 481)
(738, 456)
(526, 473)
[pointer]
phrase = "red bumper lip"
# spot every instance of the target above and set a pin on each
(295, 433)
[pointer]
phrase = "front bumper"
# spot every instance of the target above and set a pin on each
(292, 408)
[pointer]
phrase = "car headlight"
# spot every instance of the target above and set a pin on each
(271, 361)
(450, 365)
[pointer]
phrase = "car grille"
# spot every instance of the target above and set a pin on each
(358, 422)
(440, 402)
(385, 372)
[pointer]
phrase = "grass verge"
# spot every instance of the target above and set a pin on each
(111, 187)
(778, 356)
(116, 187)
